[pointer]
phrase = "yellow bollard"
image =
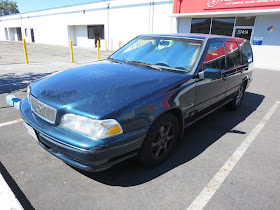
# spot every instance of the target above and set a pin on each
(98, 52)
(106, 45)
(25, 51)
(111, 45)
(71, 51)
(119, 44)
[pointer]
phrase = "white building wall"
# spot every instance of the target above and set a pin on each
(184, 25)
(81, 37)
(267, 55)
(12, 34)
(127, 19)
(262, 24)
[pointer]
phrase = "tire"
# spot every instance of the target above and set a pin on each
(237, 100)
(160, 141)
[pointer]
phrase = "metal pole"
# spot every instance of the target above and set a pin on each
(25, 51)
(119, 44)
(98, 53)
(108, 21)
(71, 51)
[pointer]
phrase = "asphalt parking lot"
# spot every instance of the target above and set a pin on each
(42, 181)
(12, 53)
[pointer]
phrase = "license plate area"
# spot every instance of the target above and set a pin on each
(31, 132)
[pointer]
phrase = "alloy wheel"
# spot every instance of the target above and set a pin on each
(239, 95)
(163, 140)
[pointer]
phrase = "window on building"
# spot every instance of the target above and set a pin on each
(26, 32)
(245, 21)
(201, 25)
(215, 57)
(96, 32)
(222, 26)
(233, 55)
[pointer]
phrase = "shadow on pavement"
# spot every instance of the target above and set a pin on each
(14, 187)
(11, 82)
(197, 138)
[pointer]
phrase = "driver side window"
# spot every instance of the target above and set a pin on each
(215, 57)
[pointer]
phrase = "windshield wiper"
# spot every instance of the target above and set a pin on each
(143, 64)
(115, 60)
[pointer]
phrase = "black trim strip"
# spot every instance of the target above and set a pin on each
(218, 107)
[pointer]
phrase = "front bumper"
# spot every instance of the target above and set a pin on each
(79, 150)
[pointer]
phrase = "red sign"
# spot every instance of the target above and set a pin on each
(200, 6)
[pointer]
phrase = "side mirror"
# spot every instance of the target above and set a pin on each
(210, 73)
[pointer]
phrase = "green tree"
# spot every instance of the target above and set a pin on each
(8, 7)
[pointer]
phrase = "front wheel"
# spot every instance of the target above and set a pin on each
(160, 140)
(236, 102)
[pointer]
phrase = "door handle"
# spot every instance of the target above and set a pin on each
(243, 69)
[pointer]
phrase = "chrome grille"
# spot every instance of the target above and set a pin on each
(43, 110)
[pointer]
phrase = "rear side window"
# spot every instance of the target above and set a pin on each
(233, 55)
(246, 52)
(215, 57)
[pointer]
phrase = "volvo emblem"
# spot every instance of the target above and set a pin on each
(212, 3)
(39, 107)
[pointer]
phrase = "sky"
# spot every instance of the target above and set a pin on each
(34, 5)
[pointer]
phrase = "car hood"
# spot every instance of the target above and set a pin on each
(102, 87)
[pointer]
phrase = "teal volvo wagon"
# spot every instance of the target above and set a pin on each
(138, 101)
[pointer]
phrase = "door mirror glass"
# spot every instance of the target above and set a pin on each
(210, 73)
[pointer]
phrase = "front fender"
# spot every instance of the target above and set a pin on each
(147, 112)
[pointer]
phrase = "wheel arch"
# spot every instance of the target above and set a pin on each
(178, 113)
(245, 81)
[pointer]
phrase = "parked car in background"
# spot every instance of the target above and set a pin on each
(139, 100)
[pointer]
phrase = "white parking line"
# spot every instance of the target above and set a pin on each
(7, 198)
(210, 189)
(10, 122)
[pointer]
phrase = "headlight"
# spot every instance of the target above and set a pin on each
(28, 92)
(93, 128)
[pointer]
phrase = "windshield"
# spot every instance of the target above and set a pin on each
(160, 52)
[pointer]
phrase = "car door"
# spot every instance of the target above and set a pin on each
(235, 68)
(210, 92)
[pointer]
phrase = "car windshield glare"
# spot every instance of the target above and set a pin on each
(167, 53)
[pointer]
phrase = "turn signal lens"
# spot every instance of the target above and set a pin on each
(114, 130)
